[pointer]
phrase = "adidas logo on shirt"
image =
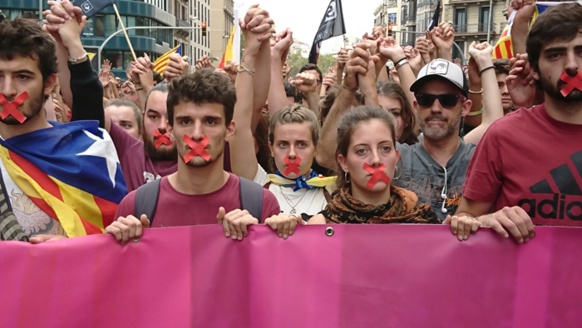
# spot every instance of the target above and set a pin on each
(566, 199)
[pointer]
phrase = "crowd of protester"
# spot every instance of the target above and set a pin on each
(390, 134)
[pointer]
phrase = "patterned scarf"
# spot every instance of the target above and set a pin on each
(314, 181)
(402, 207)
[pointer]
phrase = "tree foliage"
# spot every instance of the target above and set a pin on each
(296, 60)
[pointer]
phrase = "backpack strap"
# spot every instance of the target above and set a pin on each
(251, 197)
(146, 199)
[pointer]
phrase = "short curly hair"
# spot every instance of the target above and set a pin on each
(203, 86)
(25, 38)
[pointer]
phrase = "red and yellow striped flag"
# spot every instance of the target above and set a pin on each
(75, 177)
(228, 52)
(160, 64)
(504, 47)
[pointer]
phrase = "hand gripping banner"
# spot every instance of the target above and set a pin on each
(322, 276)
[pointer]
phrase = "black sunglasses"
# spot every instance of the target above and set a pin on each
(447, 100)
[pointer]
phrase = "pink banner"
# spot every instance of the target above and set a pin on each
(362, 276)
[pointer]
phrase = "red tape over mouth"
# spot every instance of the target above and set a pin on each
(572, 82)
(378, 175)
(197, 148)
(292, 166)
(161, 139)
(11, 107)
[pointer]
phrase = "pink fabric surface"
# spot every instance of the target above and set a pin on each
(362, 276)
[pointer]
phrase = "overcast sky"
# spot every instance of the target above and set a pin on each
(304, 16)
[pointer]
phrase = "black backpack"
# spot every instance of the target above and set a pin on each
(251, 198)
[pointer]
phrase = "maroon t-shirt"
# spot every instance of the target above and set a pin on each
(136, 165)
(529, 159)
(178, 209)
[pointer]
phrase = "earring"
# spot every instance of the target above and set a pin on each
(397, 176)
(346, 177)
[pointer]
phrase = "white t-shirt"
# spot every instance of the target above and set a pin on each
(308, 201)
(30, 217)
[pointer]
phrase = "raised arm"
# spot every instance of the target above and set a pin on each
(244, 162)
(390, 49)
(279, 51)
(492, 106)
(443, 37)
(357, 64)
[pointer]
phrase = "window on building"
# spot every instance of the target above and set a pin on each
(459, 53)
(484, 19)
(460, 20)
(392, 18)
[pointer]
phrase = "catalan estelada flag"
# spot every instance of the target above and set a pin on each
(159, 66)
(70, 171)
(504, 47)
(227, 56)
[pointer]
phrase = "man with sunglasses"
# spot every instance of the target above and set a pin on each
(435, 167)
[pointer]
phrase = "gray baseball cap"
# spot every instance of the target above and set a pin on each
(443, 69)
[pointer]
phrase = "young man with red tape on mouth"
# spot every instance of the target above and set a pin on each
(527, 170)
(200, 112)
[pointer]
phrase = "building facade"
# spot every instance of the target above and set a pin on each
(474, 20)
(220, 27)
(162, 25)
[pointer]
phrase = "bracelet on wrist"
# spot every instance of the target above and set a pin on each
(476, 92)
(398, 61)
(485, 69)
(401, 63)
(242, 68)
(78, 59)
(349, 89)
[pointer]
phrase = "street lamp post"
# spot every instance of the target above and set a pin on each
(100, 49)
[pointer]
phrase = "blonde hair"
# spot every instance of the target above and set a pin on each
(295, 113)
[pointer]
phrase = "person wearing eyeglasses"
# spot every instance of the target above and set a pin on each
(435, 167)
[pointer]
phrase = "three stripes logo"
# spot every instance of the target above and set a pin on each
(566, 200)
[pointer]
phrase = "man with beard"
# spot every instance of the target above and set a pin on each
(200, 112)
(435, 167)
(60, 180)
(527, 170)
(141, 161)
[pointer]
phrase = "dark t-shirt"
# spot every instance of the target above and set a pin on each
(137, 167)
(178, 209)
(529, 159)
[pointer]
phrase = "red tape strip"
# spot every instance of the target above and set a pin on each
(378, 175)
(197, 148)
(292, 166)
(161, 139)
(11, 107)
(572, 82)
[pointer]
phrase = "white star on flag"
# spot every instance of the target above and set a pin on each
(105, 149)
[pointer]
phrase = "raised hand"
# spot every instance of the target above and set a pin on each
(177, 66)
(443, 37)
(520, 83)
(391, 50)
(306, 82)
(357, 64)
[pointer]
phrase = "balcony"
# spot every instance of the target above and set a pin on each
(467, 2)
(474, 29)
(182, 31)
